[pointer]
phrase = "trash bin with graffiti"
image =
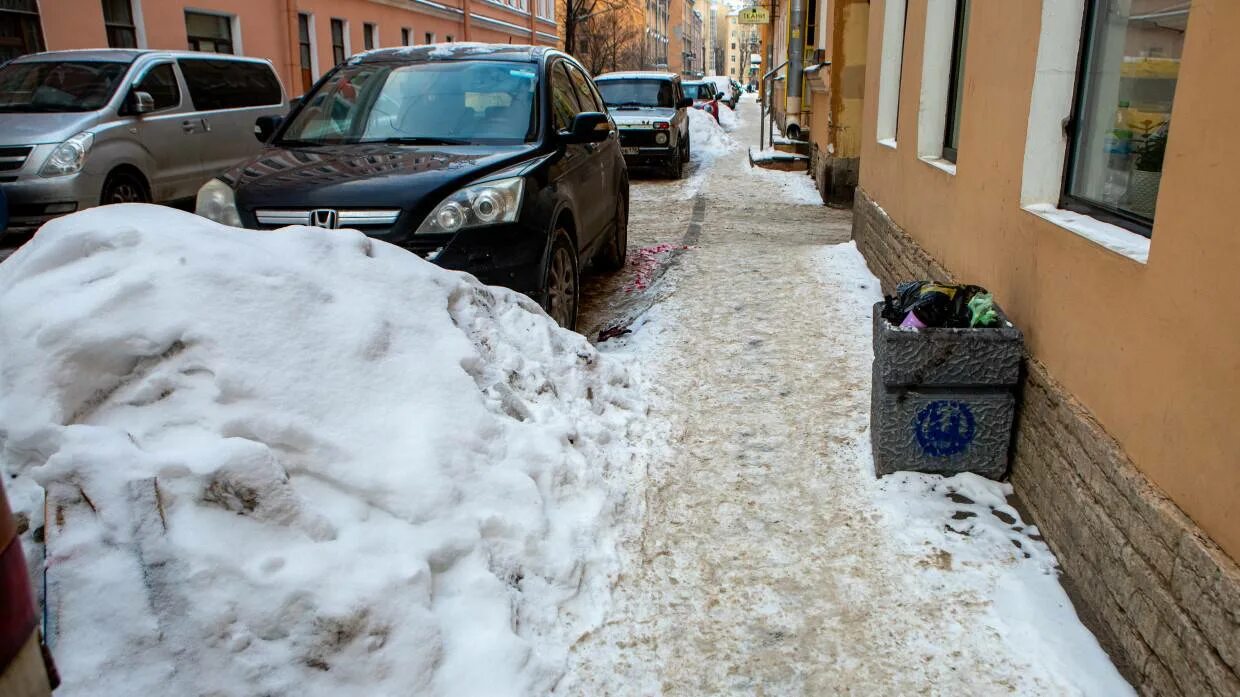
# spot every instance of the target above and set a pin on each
(944, 399)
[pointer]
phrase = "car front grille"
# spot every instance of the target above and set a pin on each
(13, 158)
(372, 221)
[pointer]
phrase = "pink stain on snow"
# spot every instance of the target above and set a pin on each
(646, 261)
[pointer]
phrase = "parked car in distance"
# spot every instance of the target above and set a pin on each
(705, 97)
(496, 160)
(26, 668)
(649, 108)
(84, 128)
(725, 86)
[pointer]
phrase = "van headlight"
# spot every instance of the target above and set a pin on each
(216, 201)
(69, 157)
(477, 205)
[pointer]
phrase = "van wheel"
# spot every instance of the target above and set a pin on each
(123, 187)
(561, 281)
(613, 256)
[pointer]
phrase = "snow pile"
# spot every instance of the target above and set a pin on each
(304, 462)
(727, 118)
(707, 139)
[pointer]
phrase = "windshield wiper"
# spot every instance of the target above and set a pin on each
(294, 143)
(417, 140)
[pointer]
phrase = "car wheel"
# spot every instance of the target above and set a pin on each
(561, 287)
(613, 255)
(122, 187)
(688, 149)
(675, 165)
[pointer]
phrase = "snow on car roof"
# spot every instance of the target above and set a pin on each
(453, 51)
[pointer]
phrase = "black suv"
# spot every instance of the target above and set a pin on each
(496, 160)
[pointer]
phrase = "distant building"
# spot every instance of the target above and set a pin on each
(303, 38)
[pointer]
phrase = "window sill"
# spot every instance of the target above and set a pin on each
(887, 142)
(1112, 237)
(940, 164)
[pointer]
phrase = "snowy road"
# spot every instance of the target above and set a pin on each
(770, 562)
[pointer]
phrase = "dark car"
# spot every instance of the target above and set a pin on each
(649, 108)
(496, 160)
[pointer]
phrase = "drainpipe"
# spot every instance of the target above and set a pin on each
(293, 30)
(465, 20)
(796, 47)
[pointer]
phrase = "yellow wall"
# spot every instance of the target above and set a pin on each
(1153, 350)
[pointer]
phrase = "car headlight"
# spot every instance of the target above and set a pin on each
(216, 201)
(477, 205)
(69, 157)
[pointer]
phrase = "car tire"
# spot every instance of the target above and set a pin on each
(123, 187)
(615, 252)
(561, 286)
(688, 149)
(676, 164)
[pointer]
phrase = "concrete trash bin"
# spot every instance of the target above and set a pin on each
(944, 399)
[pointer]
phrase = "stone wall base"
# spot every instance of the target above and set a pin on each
(1158, 593)
(836, 176)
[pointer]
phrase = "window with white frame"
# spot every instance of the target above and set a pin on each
(1121, 117)
(406, 36)
(340, 40)
(894, 19)
(211, 33)
(546, 9)
(370, 36)
(942, 78)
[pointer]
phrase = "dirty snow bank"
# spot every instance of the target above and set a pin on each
(970, 546)
(707, 138)
(304, 462)
(727, 118)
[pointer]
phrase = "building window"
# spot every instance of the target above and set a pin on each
(208, 32)
(20, 32)
(430, 37)
(895, 12)
(340, 49)
(449, 38)
(406, 36)
(369, 34)
(118, 23)
(305, 51)
(955, 81)
(1130, 63)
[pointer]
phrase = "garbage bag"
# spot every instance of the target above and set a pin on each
(938, 305)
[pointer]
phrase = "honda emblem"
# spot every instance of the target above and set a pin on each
(323, 217)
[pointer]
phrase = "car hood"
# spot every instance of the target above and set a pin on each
(628, 118)
(35, 129)
(384, 176)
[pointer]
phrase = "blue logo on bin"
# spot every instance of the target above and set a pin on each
(945, 427)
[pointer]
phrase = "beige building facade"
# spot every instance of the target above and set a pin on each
(1073, 157)
(303, 38)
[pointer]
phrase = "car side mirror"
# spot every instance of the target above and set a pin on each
(685, 103)
(140, 102)
(587, 127)
(265, 127)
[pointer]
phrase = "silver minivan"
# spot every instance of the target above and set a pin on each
(84, 128)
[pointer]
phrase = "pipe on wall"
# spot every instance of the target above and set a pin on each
(796, 66)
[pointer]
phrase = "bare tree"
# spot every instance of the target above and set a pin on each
(612, 39)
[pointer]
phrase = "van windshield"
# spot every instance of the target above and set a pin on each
(59, 86)
(637, 93)
(433, 103)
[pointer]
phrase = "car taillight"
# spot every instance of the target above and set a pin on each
(17, 614)
(662, 125)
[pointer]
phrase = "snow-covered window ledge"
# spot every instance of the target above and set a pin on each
(1112, 237)
(940, 164)
(887, 142)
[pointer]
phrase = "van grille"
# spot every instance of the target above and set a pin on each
(14, 158)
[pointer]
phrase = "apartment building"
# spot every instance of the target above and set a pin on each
(1071, 156)
(303, 38)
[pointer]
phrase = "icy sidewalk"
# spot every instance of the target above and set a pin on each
(771, 561)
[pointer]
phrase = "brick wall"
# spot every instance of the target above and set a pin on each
(1158, 593)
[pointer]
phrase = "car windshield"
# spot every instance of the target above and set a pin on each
(694, 90)
(59, 86)
(637, 93)
(432, 103)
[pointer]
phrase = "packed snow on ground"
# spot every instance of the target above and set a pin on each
(304, 462)
(969, 545)
(727, 118)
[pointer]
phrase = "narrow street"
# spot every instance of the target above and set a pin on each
(764, 565)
